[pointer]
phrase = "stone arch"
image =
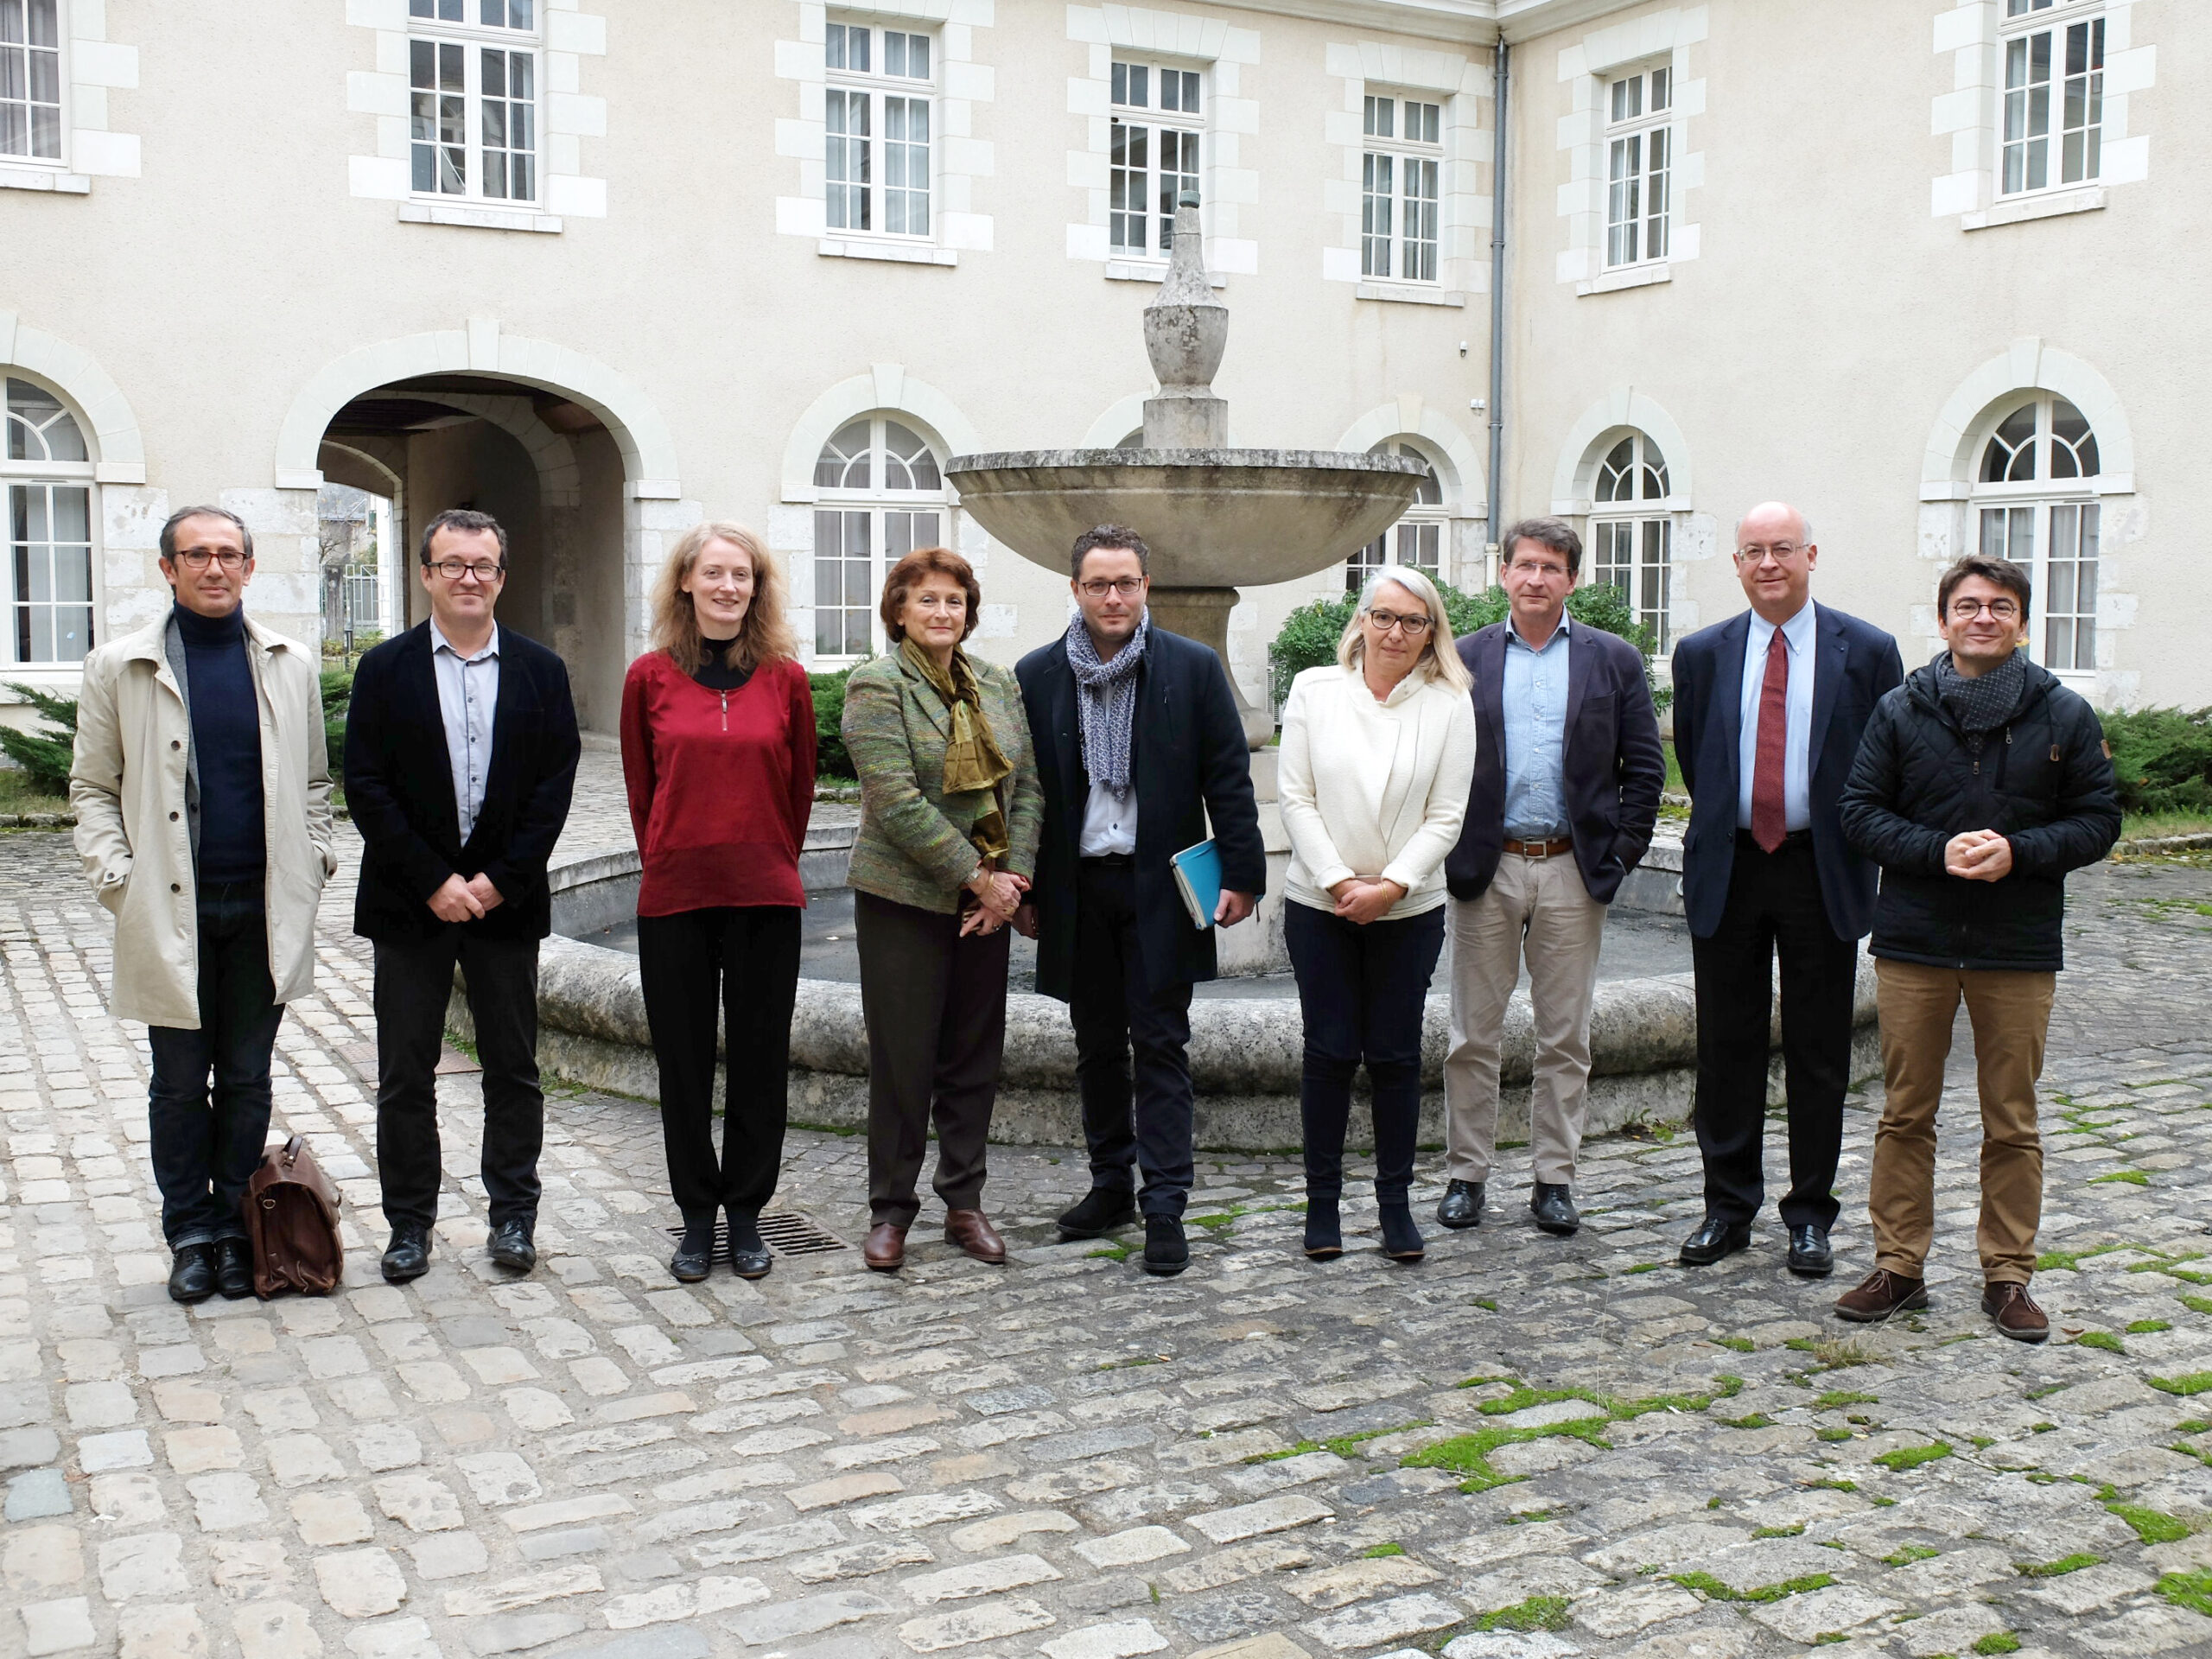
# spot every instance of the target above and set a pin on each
(1461, 473)
(560, 479)
(1121, 418)
(118, 449)
(886, 387)
(1946, 467)
(1620, 410)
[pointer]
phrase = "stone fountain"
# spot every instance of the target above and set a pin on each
(1215, 518)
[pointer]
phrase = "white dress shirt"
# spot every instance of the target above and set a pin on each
(468, 697)
(1109, 822)
(1799, 634)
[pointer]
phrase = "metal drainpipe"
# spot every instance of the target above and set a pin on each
(1493, 522)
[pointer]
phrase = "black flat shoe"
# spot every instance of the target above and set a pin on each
(1401, 1240)
(1325, 1237)
(191, 1274)
(1713, 1239)
(695, 1254)
(1554, 1209)
(748, 1255)
(512, 1246)
(1166, 1252)
(1809, 1255)
(1461, 1205)
(1098, 1213)
(408, 1256)
(233, 1269)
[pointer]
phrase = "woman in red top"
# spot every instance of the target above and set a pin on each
(718, 753)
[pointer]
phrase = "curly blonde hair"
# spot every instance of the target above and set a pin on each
(765, 634)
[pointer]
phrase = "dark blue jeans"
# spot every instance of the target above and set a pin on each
(1361, 992)
(205, 1148)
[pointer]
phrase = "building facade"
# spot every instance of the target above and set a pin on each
(606, 272)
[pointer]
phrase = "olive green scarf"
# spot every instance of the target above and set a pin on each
(972, 760)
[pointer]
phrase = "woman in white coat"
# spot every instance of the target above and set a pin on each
(1378, 752)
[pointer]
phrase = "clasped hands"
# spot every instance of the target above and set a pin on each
(1978, 856)
(998, 895)
(459, 900)
(1360, 900)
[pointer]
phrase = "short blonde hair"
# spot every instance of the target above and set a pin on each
(765, 634)
(1439, 661)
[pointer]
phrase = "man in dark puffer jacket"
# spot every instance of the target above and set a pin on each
(1980, 782)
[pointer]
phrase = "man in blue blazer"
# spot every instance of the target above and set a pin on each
(1769, 709)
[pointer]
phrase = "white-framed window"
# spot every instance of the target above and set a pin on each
(1417, 540)
(2035, 498)
(878, 115)
(882, 495)
(47, 476)
(1401, 173)
(1631, 537)
(2054, 94)
(1639, 165)
(31, 79)
(472, 99)
(1154, 144)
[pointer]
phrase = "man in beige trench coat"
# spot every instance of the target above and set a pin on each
(203, 817)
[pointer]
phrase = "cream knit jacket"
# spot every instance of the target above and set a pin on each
(1374, 790)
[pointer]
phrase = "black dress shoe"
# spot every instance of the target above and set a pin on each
(1098, 1213)
(512, 1247)
(748, 1253)
(1809, 1255)
(233, 1269)
(1554, 1209)
(1713, 1239)
(1461, 1205)
(192, 1272)
(1166, 1253)
(408, 1256)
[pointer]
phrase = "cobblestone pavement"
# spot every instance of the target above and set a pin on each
(1524, 1447)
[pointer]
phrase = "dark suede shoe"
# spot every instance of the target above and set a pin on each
(1713, 1239)
(514, 1246)
(408, 1256)
(1461, 1205)
(1401, 1240)
(192, 1272)
(1880, 1294)
(2015, 1312)
(1099, 1212)
(1325, 1237)
(1809, 1255)
(233, 1269)
(748, 1252)
(1554, 1209)
(1166, 1251)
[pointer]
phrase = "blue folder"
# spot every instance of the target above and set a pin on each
(1197, 878)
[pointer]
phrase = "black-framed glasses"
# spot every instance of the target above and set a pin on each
(1414, 623)
(1127, 587)
(2004, 610)
(197, 559)
(454, 569)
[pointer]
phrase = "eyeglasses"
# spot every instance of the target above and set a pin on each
(197, 559)
(1126, 587)
(454, 569)
(1414, 623)
(1966, 609)
(1756, 555)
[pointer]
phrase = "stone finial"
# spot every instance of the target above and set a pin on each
(1186, 331)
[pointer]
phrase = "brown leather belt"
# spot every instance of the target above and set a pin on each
(1541, 848)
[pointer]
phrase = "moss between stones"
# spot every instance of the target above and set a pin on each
(1468, 1455)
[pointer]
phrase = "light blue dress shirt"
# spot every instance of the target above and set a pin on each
(468, 697)
(1535, 704)
(1799, 635)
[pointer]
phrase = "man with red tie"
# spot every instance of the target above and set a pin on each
(1769, 709)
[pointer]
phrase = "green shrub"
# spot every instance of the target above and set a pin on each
(337, 696)
(44, 756)
(830, 760)
(2162, 759)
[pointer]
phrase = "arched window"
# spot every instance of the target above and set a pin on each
(882, 496)
(47, 473)
(2035, 493)
(1417, 538)
(1631, 538)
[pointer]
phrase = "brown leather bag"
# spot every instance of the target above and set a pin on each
(291, 1213)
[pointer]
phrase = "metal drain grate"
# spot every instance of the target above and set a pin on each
(784, 1231)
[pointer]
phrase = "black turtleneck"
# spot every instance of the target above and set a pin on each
(226, 747)
(713, 672)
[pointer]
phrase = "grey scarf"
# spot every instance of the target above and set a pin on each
(1106, 698)
(1984, 702)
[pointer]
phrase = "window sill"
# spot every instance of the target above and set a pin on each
(899, 253)
(1407, 294)
(1146, 270)
(480, 218)
(1628, 276)
(2019, 209)
(44, 178)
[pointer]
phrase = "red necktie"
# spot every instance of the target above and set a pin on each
(1770, 821)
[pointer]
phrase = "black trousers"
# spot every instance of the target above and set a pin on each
(1112, 1009)
(935, 1005)
(413, 982)
(1774, 909)
(743, 964)
(206, 1147)
(1361, 993)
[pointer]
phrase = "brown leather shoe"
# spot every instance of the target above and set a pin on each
(2015, 1312)
(1880, 1294)
(972, 1232)
(886, 1249)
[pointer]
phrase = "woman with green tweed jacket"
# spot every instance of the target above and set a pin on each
(951, 807)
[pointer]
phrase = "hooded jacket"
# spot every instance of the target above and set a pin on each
(2042, 780)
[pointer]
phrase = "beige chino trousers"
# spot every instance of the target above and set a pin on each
(2011, 1015)
(1543, 902)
